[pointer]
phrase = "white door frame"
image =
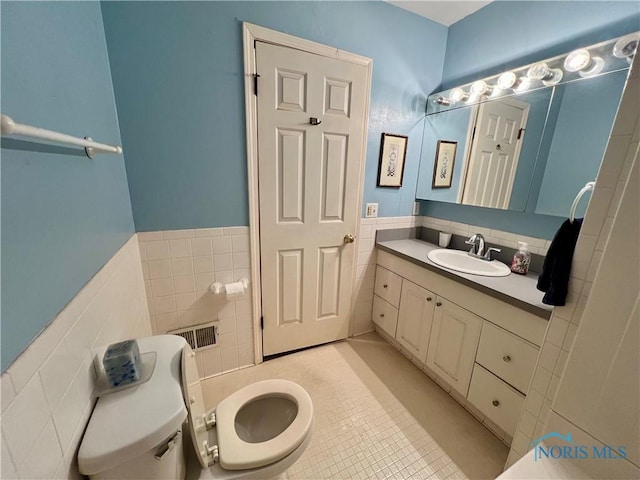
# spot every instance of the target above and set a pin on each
(250, 34)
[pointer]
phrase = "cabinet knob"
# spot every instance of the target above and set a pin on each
(382, 315)
(438, 304)
(506, 358)
(496, 403)
(385, 285)
(429, 299)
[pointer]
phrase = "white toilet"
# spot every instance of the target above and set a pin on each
(257, 432)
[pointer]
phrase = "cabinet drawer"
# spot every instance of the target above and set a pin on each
(388, 286)
(384, 315)
(498, 401)
(507, 356)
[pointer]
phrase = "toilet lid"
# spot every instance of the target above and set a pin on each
(194, 399)
(234, 453)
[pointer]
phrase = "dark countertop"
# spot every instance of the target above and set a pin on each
(517, 290)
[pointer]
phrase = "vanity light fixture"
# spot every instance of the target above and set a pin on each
(548, 76)
(458, 95)
(582, 62)
(605, 57)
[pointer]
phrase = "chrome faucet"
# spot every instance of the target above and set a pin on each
(477, 245)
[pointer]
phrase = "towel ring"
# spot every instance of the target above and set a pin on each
(572, 213)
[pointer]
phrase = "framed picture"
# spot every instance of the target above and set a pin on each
(443, 164)
(393, 150)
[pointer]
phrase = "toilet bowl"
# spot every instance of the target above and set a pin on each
(256, 432)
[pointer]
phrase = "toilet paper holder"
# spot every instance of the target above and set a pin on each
(217, 288)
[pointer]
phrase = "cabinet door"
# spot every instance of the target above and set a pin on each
(453, 344)
(415, 318)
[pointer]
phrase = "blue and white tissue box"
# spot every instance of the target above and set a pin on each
(122, 363)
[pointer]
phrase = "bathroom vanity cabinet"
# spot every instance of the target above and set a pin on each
(481, 349)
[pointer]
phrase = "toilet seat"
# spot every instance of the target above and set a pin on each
(235, 453)
(230, 450)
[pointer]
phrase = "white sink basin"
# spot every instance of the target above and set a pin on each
(463, 262)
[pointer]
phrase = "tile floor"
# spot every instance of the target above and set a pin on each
(377, 416)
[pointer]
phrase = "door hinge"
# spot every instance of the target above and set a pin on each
(261, 323)
(255, 83)
(520, 133)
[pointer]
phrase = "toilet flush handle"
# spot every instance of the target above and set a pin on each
(167, 447)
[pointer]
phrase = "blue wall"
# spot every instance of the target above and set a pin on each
(574, 157)
(63, 215)
(178, 79)
(507, 34)
(452, 126)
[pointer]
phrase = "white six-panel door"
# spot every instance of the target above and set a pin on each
(495, 152)
(309, 179)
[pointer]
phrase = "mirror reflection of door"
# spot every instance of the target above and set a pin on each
(495, 149)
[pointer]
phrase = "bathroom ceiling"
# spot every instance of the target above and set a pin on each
(446, 12)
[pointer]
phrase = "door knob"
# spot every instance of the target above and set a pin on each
(314, 121)
(349, 238)
(496, 403)
(506, 358)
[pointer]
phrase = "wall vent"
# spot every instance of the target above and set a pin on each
(200, 336)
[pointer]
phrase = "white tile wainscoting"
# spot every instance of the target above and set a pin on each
(46, 392)
(179, 266)
(366, 268)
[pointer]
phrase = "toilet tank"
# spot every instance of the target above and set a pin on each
(136, 433)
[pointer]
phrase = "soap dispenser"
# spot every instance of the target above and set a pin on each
(521, 259)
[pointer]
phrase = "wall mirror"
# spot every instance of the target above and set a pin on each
(528, 139)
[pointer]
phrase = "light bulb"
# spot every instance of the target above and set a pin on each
(522, 85)
(626, 47)
(507, 80)
(595, 67)
(577, 60)
(458, 94)
(444, 101)
(479, 88)
(548, 76)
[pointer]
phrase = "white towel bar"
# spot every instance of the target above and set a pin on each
(572, 213)
(9, 127)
